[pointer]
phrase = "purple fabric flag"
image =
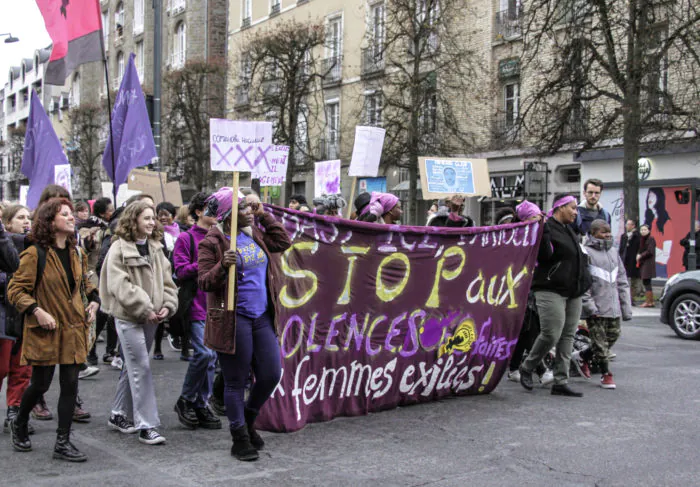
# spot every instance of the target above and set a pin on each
(131, 130)
(42, 151)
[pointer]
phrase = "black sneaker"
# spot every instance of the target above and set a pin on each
(526, 379)
(119, 423)
(186, 413)
(151, 437)
(108, 357)
(217, 406)
(207, 419)
(175, 343)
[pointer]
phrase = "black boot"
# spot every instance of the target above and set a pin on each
(12, 412)
(65, 450)
(20, 436)
(242, 449)
(526, 379)
(255, 439)
(186, 413)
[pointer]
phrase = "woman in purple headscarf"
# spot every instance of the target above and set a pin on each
(382, 208)
(244, 338)
(560, 280)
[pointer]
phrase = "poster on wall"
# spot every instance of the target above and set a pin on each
(668, 221)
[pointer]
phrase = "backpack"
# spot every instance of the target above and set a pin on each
(15, 320)
(186, 292)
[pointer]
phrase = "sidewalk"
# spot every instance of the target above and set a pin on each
(638, 312)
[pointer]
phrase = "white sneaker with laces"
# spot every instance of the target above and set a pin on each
(88, 372)
(547, 378)
(514, 376)
(117, 363)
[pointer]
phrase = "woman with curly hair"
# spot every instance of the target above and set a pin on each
(56, 319)
(138, 290)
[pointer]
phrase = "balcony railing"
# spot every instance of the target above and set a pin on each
(330, 148)
(505, 131)
(332, 70)
(271, 87)
(509, 23)
(177, 60)
(178, 6)
(577, 129)
(275, 10)
(243, 95)
(245, 23)
(372, 61)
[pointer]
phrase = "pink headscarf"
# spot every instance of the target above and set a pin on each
(380, 204)
(526, 210)
(561, 202)
(224, 202)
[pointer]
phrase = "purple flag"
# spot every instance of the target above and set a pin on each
(131, 130)
(42, 151)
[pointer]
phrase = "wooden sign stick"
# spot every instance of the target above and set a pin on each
(353, 188)
(234, 231)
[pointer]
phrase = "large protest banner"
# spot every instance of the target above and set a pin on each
(371, 317)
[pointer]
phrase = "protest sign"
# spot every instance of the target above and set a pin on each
(62, 177)
(326, 178)
(371, 317)
(146, 181)
(173, 193)
(441, 178)
(23, 191)
(371, 185)
(273, 171)
(239, 146)
(367, 151)
(123, 193)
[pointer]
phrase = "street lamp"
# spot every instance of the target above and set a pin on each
(10, 38)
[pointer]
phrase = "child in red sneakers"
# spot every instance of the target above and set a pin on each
(606, 302)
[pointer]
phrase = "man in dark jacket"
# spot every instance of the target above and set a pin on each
(591, 210)
(451, 214)
(686, 245)
(629, 248)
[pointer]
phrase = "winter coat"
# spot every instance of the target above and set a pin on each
(562, 267)
(647, 263)
(609, 294)
(68, 343)
(629, 248)
(686, 245)
(219, 333)
(585, 217)
(9, 262)
(186, 268)
(441, 218)
(131, 286)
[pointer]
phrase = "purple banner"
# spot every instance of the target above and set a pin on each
(371, 317)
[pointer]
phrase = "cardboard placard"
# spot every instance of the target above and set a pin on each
(273, 170)
(445, 177)
(146, 181)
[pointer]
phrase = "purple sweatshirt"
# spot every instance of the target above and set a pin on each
(186, 268)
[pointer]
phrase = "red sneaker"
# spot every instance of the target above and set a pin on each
(584, 369)
(581, 365)
(606, 381)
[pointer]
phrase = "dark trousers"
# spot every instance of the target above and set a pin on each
(528, 335)
(42, 376)
(104, 321)
(256, 347)
(647, 284)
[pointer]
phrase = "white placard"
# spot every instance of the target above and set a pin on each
(273, 170)
(239, 146)
(123, 193)
(327, 178)
(367, 152)
(62, 177)
(23, 191)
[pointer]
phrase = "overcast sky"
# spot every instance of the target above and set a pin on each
(23, 19)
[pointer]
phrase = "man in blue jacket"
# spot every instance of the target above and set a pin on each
(591, 210)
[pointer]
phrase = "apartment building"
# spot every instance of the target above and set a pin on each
(15, 99)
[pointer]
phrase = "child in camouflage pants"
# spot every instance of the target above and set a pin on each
(606, 302)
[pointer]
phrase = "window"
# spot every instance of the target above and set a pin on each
(428, 116)
(179, 46)
(139, 60)
(333, 120)
(245, 74)
(120, 70)
(428, 11)
(657, 78)
(105, 28)
(246, 13)
(377, 30)
(275, 7)
(511, 103)
(138, 16)
(302, 134)
(334, 40)
(373, 109)
(119, 20)
(75, 91)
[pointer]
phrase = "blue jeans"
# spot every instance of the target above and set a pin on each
(256, 347)
(200, 373)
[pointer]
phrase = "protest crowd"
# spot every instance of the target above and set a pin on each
(72, 272)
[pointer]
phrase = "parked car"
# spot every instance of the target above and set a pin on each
(680, 304)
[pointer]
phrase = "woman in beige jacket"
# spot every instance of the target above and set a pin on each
(139, 292)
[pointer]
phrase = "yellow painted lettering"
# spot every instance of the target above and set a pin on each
(352, 253)
(384, 292)
(285, 298)
(434, 299)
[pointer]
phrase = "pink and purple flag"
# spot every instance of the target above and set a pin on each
(75, 27)
(42, 151)
(131, 130)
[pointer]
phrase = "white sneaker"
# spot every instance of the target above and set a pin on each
(547, 378)
(611, 356)
(88, 372)
(117, 363)
(514, 376)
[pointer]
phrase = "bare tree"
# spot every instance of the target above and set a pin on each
(605, 70)
(425, 52)
(84, 147)
(278, 78)
(194, 94)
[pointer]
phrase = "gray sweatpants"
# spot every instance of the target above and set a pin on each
(136, 394)
(559, 318)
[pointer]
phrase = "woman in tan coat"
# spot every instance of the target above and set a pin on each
(56, 319)
(138, 290)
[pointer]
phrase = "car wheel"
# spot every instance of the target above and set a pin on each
(684, 316)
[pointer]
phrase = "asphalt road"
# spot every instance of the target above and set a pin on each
(643, 433)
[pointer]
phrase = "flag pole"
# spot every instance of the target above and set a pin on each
(115, 188)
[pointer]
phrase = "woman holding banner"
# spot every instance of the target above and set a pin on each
(244, 337)
(561, 278)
